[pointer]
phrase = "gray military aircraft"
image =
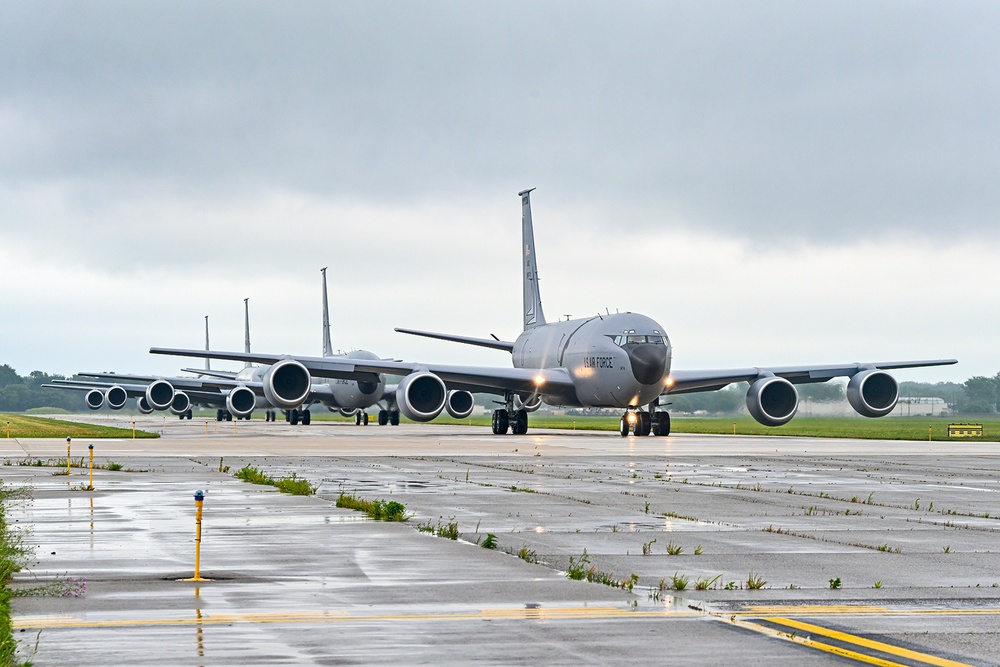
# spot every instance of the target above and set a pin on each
(620, 360)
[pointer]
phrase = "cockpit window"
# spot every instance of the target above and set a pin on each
(633, 339)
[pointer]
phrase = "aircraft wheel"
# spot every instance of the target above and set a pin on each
(364, 418)
(394, 417)
(306, 417)
(661, 426)
(383, 417)
(218, 415)
(357, 419)
(623, 426)
(293, 417)
(520, 425)
(645, 423)
(501, 422)
(228, 416)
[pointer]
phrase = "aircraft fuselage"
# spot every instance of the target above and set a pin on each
(620, 360)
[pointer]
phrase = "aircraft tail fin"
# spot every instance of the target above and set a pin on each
(327, 345)
(246, 327)
(533, 315)
(208, 362)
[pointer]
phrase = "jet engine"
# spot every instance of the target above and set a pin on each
(116, 397)
(159, 394)
(873, 393)
(460, 404)
(421, 396)
(529, 404)
(241, 401)
(143, 405)
(94, 399)
(772, 401)
(180, 403)
(287, 384)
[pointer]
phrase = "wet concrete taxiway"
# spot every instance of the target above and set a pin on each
(874, 552)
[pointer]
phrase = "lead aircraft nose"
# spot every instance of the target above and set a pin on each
(649, 362)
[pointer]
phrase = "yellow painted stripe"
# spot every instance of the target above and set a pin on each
(805, 641)
(859, 610)
(809, 610)
(49, 622)
(867, 643)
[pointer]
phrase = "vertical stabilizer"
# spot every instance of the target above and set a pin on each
(246, 328)
(533, 315)
(327, 345)
(208, 362)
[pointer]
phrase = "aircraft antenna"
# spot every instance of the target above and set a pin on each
(327, 346)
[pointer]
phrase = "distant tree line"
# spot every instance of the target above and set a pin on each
(18, 393)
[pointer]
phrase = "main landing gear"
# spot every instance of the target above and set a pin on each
(362, 418)
(644, 423)
(509, 418)
(294, 415)
(185, 415)
(269, 415)
(388, 417)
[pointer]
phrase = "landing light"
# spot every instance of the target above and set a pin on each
(669, 382)
(539, 380)
(631, 418)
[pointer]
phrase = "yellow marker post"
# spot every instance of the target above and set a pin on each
(8, 430)
(199, 500)
(930, 433)
(91, 448)
(734, 428)
(68, 440)
(133, 430)
(206, 429)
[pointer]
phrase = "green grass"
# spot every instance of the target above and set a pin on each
(15, 556)
(24, 426)
(295, 485)
(378, 509)
(886, 428)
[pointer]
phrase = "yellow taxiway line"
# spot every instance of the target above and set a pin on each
(202, 618)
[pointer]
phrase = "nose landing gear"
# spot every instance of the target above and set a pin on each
(644, 423)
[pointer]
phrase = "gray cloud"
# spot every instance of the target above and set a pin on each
(814, 121)
(259, 141)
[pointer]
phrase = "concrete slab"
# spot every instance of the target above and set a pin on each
(909, 529)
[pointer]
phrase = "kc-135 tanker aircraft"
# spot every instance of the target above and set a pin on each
(620, 360)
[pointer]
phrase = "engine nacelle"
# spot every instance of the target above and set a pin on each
(346, 412)
(159, 394)
(421, 396)
(94, 399)
(772, 401)
(287, 384)
(116, 397)
(873, 393)
(529, 404)
(460, 404)
(181, 403)
(142, 405)
(241, 401)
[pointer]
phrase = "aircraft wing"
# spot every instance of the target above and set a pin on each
(471, 378)
(225, 375)
(209, 384)
(686, 382)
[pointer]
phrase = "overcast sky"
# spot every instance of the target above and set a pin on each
(773, 182)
